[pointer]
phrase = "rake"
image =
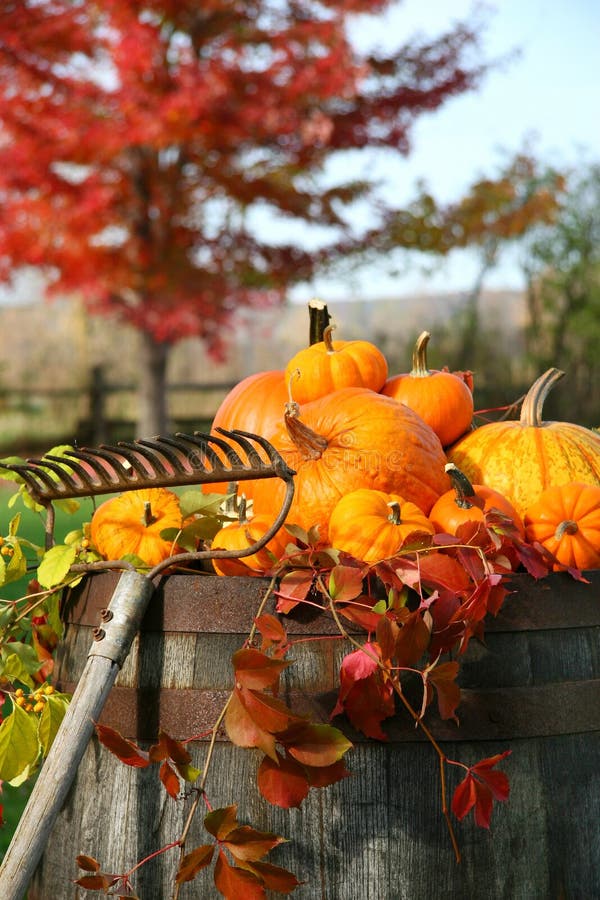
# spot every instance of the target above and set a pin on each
(174, 461)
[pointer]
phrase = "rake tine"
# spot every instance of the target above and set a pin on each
(163, 445)
(36, 480)
(89, 457)
(199, 440)
(254, 458)
(83, 474)
(67, 477)
(119, 473)
(130, 451)
(280, 466)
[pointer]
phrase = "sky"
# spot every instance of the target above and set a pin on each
(547, 96)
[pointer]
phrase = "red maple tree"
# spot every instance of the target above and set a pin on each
(139, 139)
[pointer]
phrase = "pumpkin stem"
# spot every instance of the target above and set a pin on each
(319, 319)
(394, 516)
(566, 527)
(147, 517)
(310, 444)
(327, 339)
(462, 486)
(531, 410)
(419, 356)
(243, 510)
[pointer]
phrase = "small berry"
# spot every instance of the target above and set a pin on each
(19, 692)
(21, 701)
(29, 707)
(39, 706)
(49, 689)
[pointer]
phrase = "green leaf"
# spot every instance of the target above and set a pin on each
(52, 715)
(19, 662)
(19, 745)
(16, 566)
(14, 523)
(195, 501)
(380, 607)
(55, 565)
(68, 506)
(2, 571)
(52, 607)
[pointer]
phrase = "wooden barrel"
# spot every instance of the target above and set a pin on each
(533, 688)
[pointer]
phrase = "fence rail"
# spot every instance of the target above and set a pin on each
(100, 412)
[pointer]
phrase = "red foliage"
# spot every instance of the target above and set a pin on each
(141, 139)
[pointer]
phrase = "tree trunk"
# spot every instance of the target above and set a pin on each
(152, 399)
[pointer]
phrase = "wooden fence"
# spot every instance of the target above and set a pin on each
(102, 412)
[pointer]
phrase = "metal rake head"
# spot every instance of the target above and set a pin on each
(184, 459)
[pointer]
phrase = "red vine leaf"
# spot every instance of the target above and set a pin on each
(245, 843)
(169, 778)
(127, 751)
(273, 877)
(219, 822)
(194, 862)
(234, 883)
(87, 863)
(283, 783)
(479, 788)
(169, 748)
(318, 745)
(243, 731)
(345, 583)
(272, 631)
(323, 776)
(413, 639)
(268, 712)
(254, 669)
(443, 678)
(293, 588)
(97, 882)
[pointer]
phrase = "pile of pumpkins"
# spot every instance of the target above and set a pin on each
(381, 458)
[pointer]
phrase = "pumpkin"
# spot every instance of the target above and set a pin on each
(466, 502)
(521, 458)
(353, 438)
(131, 523)
(565, 519)
(254, 405)
(329, 365)
(372, 525)
(441, 398)
(242, 534)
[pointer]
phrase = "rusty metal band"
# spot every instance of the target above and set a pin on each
(547, 710)
(181, 604)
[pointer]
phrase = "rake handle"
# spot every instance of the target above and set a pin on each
(128, 605)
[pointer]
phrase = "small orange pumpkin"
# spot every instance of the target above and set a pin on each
(466, 502)
(131, 523)
(373, 525)
(328, 366)
(441, 398)
(242, 534)
(566, 521)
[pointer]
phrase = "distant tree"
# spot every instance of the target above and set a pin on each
(493, 213)
(140, 140)
(562, 268)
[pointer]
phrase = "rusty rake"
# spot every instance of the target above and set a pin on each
(183, 459)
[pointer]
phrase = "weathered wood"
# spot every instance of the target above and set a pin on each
(379, 833)
(102, 665)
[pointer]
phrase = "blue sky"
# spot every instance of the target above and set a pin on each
(548, 94)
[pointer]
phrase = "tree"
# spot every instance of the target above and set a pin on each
(562, 268)
(494, 212)
(141, 139)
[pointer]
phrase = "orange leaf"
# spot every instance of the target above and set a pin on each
(219, 822)
(254, 669)
(88, 863)
(274, 878)
(319, 745)
(193, 862)
(243, 731)
(282, 783)
(170, 780)
(245, 843)
(236, 884)
(128, 752)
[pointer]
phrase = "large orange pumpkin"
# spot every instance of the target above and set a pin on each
(441, 398)
(466, 502)
(242, 534)
(566, 520)
(520, 459)
(131, 523)
(328, 366)
(372, 525)
(353, 438)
